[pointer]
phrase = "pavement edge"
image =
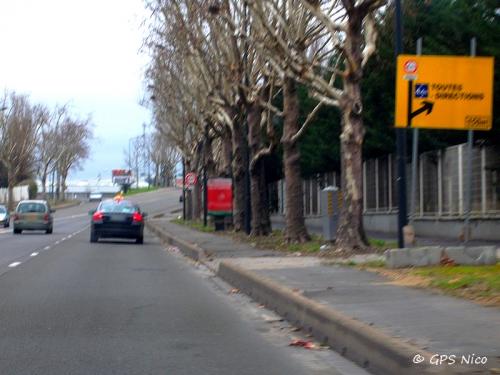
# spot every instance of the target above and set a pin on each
(361, 343)
(190, 250)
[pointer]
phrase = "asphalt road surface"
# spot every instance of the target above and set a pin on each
(71, 307)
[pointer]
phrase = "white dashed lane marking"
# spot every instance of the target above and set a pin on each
(34, 254)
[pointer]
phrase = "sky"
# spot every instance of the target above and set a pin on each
(85, 53)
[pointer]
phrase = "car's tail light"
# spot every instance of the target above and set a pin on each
(137, 217)
(46, 217)
(15, 217)
(97, 216)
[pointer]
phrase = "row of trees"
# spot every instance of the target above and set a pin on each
(153, 156)
(285, 79)
(36, 141)
(224, 79)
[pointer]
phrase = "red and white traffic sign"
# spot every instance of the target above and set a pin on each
(191, 179)
(410, 66)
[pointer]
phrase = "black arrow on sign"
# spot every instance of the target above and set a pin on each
(427, 106)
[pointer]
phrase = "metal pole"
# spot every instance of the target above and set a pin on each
(144, 152)
(248, 206)
(130, 164)
(136, 165)
(183, 189)
(205, 193)
(414, 158)
(400, 141)
(468, 186)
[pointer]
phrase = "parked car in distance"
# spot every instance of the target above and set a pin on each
(4, 216)
(117, 218)
(33, 215)
(95, 197)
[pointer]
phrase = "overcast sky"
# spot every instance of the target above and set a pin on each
(81, 52)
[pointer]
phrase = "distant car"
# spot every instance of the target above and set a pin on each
(117, 218)
(33, 215)
(95, 197)
(4, 216)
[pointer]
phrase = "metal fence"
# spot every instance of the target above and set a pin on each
(440, 189)
(311, 193)
(440, 183)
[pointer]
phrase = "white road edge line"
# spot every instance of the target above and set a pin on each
(15, 264)
(46, 248)
(33, 254)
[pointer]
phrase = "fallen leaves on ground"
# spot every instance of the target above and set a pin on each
(303, 343)
(234, 291)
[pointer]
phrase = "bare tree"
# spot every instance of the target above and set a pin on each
(20, 124)
(330, 62)
(208, 76)
(48, 150)
(164, 157)
(73, 137)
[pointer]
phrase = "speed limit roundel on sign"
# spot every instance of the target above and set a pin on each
(190, 179)
(410, 66)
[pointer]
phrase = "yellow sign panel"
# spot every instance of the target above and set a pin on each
(444, 92)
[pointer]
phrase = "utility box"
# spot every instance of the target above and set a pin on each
(220, 201)
(331, 201)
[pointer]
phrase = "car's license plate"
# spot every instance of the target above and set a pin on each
(118, 218)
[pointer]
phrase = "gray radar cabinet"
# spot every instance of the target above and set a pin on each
(331, 201)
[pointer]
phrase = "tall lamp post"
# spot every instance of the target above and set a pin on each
(400, 140)
(248, 205)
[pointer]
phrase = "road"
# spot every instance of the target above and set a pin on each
(71, 307)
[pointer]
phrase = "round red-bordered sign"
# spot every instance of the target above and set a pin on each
(191, 179)
(410, 66)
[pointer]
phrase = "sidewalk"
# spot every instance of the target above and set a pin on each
(416, 319)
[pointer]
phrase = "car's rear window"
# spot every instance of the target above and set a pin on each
(117, 207)
(31, 207)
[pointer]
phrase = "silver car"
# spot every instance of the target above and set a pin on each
(33, 215)
(4, 216)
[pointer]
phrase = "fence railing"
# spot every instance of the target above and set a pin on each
(440, 190)
(311, 193)
(440, 183)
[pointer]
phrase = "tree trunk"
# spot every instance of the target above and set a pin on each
(197, 209)
(350, 233)
(44, 182)
(261, 222)
(227, 154)
(11, 181)
(295, 228)
(58, 186)
(238, 166)
(188, 196)
(44, 190)
(63, 186)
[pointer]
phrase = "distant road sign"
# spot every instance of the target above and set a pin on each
(191, 179)
(121, 176)
(444, 92)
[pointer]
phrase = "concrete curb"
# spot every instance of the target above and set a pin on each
(370, 348)
(434, 255)
(363, 344)
(190, 250)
